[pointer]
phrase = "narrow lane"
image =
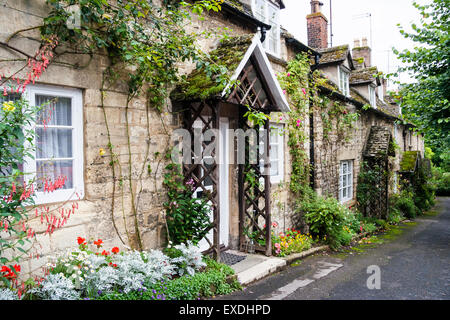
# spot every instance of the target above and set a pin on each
(413, 263)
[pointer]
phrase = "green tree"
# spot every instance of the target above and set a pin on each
(425, 102)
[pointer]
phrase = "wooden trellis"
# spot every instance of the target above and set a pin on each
(205, 177)
(254, 186)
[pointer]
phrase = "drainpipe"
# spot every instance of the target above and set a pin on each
(263, 34)
(312, 171)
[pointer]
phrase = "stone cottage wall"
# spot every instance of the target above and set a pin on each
(150, 129)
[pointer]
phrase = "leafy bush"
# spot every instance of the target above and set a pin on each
(187, 217)
(326, 218)
(404, 204)
(441, 180)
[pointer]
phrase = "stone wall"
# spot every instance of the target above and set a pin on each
(149, 135)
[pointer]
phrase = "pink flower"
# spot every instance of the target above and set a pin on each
(277, 245)
(284, 91)
(304, 91)
(288, 74)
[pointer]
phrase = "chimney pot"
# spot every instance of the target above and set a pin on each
(316, 6)
(356, 43)
(364, 42)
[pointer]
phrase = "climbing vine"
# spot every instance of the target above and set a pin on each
(143, 43)
(296, 85)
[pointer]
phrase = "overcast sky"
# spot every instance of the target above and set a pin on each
(351, 20)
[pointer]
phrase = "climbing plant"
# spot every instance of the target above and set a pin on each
(296, 85)
(143, 42)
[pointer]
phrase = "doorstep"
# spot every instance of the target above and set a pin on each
(258, 266)
(255, 266)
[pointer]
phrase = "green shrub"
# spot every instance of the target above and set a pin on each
(328, 220)
(404, 204)
(441, 181)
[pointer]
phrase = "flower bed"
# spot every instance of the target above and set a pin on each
(180, 272)
(293, 241)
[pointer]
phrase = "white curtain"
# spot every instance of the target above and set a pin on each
(54, 143)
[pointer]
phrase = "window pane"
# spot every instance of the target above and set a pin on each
(273, 152)
(56, 110)
(259, 10)
(53, 143)
(52, 170)
(274, 168)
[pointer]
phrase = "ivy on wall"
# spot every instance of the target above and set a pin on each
(144, 42)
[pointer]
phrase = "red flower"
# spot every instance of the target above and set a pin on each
(81, 240)
(5, 269)
(105, 253)
(115, 250)
(98, 243)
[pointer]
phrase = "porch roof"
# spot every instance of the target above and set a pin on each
(232, 53)
(379, 143)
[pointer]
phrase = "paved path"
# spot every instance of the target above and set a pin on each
(413, 264)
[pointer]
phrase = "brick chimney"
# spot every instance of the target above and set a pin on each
(362, 51)
(317, 25)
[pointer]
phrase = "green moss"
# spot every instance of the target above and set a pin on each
(408, 162)
(236, 4)
(334, 54)
(198, 85)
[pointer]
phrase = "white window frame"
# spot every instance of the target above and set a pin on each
(349, 177)
(372, 96)
(266, 19)
(344, 81)
(279, 156)
(77, 190)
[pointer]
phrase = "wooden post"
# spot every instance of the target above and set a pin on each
(267, 191)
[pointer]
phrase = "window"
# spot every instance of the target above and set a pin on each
(344, 85)
(269, 13)
(276, 153)
(395, 182)
(372, 97)
(58, 143)
(346, 180)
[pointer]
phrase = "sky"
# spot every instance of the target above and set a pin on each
(354, 19)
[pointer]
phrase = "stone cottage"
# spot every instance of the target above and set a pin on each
(131, 213)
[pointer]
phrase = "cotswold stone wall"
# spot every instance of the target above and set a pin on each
(147, 129)
(331, 148)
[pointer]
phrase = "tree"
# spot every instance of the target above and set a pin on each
(425, 102)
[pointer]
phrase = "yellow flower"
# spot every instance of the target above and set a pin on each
(106, 16)
(9, 106)
(101, 151)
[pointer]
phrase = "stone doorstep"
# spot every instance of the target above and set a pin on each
(260, 270)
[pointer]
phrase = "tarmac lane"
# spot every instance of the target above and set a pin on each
(410, 263)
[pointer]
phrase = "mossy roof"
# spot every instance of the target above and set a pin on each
(334, 54)
(198, 86)
(364, 75)
(409, 160)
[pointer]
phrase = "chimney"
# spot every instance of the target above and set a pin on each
(317, 25)
(362, 51)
